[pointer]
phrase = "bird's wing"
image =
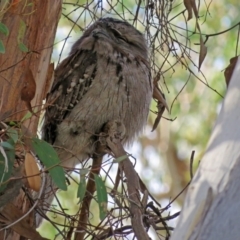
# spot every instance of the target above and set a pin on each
(73, 77)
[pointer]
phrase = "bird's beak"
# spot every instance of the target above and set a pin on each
(99, 33)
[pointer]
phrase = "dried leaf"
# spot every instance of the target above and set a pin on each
(188, 6)
(161, 103)
(203, 52)
(29, 88)
(194, 7)
(31, 169)
(203, 48)
(191, 7)
(229, 70)
(159, 116)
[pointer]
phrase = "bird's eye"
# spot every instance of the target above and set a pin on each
(118, 34)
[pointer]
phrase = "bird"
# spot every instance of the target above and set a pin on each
(106, 77)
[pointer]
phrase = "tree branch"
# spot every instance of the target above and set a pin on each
(133, 186)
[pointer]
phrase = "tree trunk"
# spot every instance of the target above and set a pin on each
(212, 207)
(24, 65)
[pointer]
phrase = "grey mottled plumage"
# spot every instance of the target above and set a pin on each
(106, 77)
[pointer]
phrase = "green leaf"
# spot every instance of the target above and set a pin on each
(12, 123)
(4, 29)
(23, 47)
(7, 145)
(13, 134)
(120, 159)
(81, 188)
(20, 37)
(84, 171)
(26, 116)
(21, 31)
(2, 48)
(49, 157)
(6, 171)
(101, 196)
(82, 185)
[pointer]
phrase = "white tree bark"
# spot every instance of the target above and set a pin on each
(212, 206)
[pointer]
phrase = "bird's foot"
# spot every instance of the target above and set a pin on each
(114, 131)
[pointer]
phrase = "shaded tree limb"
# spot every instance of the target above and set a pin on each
(84, 214)
(114, 143)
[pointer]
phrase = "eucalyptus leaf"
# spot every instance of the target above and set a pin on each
(81, 188)
(9, 158)
(4, 29)
(2, 48)
(23, 47)
(26, 116)
(7, 145)
(47, 154)
(13, 134)
(101, 196)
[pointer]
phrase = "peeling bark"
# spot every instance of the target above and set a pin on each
(211, 207)
(32, 24)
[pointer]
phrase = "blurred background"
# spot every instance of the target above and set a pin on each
(194, 96)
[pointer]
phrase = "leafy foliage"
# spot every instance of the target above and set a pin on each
(49, 157)
(20, 37)
(4, 29)
(101, 196)
(178, 47)
(7, 157)
(82, 185)
(2, 48)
